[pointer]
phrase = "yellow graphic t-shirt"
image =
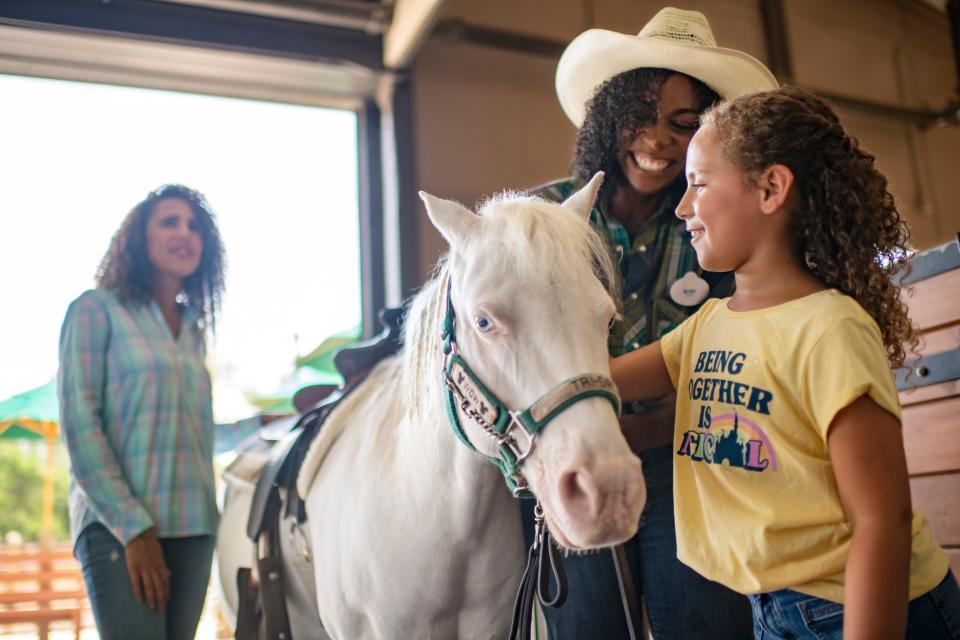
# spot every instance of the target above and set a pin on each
(757, 507)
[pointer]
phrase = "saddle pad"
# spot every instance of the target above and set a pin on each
(249, 464)
(337, 422)
(253, 453)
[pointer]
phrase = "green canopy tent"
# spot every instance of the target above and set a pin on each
(35, 415)
(315, 368)
(320, 359)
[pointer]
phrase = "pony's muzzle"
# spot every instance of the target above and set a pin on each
(599, 501)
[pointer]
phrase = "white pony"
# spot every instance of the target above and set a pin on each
(414, 535)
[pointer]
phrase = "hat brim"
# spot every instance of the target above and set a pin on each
(597, 55)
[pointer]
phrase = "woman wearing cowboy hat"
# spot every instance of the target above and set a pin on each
(636, 101)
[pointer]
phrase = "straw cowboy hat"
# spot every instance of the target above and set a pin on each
(674, 39)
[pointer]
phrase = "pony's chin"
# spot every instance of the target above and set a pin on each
(598, 537)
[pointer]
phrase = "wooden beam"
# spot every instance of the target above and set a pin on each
(412, 21)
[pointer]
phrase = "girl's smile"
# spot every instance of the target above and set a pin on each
(720, 206)
(695, 232)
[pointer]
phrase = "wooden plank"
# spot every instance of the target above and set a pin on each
(13, 597)
(20, 616)
(934, 301)
(931, 436)
(942, 339)
(934, 260)
(33, 554)
(938, 498)
(11, 577)
(411, 26)
(933, 392)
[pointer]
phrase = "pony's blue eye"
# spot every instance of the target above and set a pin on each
(483, 323)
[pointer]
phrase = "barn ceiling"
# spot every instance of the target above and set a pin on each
(371, 16)
(404, 24)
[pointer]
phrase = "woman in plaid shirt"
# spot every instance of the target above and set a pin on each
(136, 414)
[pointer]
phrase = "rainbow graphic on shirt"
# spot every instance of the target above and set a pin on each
(729, 439)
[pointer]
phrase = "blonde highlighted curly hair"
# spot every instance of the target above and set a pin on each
(846, 223)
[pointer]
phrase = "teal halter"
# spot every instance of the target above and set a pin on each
(515, 432)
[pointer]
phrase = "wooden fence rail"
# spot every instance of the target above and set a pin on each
(39, 586)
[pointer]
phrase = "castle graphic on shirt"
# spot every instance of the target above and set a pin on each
(728, 439)
(729, 447)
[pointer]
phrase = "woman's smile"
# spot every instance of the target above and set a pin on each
(182, 251)
(648, 163)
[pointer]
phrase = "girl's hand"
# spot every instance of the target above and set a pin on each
(149, 576)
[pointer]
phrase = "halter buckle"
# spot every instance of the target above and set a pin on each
(523, 446)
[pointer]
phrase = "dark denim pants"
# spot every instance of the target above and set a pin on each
(786, 614)
(118, 615)
(681, 604)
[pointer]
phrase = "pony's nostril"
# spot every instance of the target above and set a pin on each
(579, 494)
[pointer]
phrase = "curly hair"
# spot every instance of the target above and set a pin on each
(619, 108)
(845, 222)
(126, 269)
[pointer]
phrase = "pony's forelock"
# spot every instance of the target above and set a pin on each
(554, 230)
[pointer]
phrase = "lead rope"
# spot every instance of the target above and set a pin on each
(536, 580)
(631, 610)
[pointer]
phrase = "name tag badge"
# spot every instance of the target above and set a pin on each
(690, 290)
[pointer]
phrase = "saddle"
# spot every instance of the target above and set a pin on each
(359, 358)
(276, 496)
(286, 456)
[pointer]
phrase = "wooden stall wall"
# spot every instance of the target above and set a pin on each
(930, 394)
(487, 117)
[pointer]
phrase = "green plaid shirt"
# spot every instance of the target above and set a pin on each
(659, 255)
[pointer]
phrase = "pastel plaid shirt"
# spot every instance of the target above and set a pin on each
(137, 418)
(659, 255)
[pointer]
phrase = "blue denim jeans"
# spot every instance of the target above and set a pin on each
(681, 604)
(786, 614)
(118, 615)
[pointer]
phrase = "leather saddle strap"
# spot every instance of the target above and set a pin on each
(312, 422)
(631, 608)
(248, 612)
(270, 567)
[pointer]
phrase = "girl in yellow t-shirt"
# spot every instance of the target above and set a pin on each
(790, 478)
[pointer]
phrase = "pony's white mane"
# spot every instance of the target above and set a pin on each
(421, 361)
(530, 233)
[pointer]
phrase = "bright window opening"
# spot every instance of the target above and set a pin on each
(282, 179)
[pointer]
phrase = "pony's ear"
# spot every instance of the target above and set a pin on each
(451, 219)
(582, 201)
